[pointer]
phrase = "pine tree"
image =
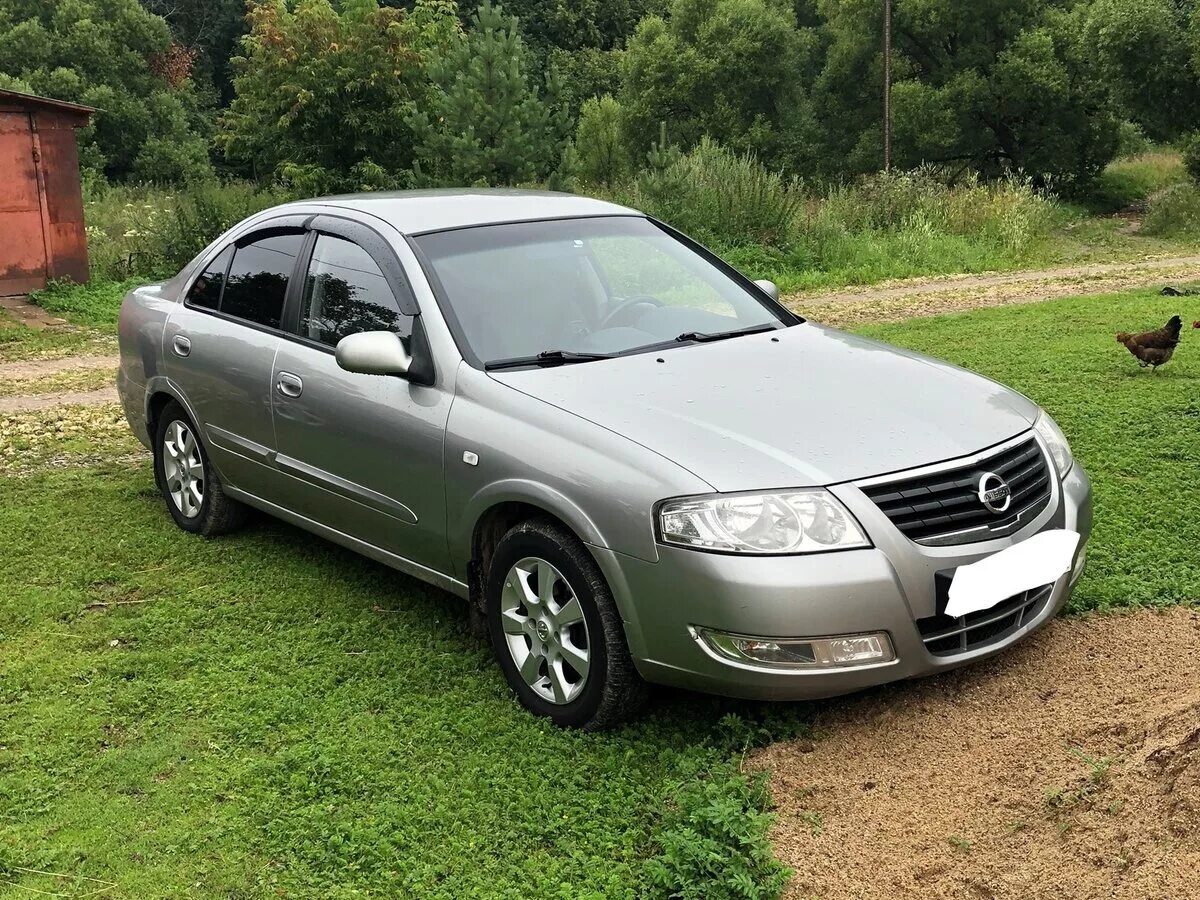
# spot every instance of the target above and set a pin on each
(485, 122)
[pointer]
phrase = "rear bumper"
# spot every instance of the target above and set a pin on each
(886, 588)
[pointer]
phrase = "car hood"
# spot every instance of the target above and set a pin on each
(798, 407)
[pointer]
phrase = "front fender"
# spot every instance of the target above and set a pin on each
(521, 490)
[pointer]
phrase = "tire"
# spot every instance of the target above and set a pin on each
(215, 513)
(610, 691)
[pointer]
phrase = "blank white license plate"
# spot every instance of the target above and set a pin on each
(1032, 563)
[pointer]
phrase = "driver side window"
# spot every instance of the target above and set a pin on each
(345, 293)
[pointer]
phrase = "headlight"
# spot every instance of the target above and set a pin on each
(801, 521)
(1056, 443)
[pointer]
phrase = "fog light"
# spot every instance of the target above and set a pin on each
(801, 653)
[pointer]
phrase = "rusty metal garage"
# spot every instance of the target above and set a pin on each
(41, 205)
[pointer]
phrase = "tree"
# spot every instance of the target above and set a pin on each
(601, 154)
(1144, 50)
(116, 56)
(995, 85)
(732, 70)
(324, 98)
(210, 30)
(485, 122)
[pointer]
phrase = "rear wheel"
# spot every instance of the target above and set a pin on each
(556, 630)
(190, 486)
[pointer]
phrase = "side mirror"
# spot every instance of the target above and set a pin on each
(768, 288)
(373, 353)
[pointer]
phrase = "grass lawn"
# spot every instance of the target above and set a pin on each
(266, 713)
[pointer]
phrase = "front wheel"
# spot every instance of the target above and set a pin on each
(556, 630)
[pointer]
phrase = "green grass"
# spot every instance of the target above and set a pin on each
(1129, 180)
(95, 304)
(1136, 433)
(268, 714)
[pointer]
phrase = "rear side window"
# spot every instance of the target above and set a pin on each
(258, 278)
(346, 293)
(206, 290)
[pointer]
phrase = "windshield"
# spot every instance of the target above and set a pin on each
(589, 287)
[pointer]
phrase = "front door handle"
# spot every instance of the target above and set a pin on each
(289, 385)
(181, 345)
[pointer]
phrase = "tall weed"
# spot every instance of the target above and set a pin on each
(146, 231)
(1174, 211)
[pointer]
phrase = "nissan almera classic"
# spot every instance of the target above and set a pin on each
(632, 462)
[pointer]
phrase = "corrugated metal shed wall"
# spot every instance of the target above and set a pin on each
(41, 204)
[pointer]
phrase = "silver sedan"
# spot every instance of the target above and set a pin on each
(631, 461)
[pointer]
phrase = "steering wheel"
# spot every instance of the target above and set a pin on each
(609, 320)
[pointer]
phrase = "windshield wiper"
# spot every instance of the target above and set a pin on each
(702, 336)
(547, 358)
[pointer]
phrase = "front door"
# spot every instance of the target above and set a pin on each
(23, 247)
(365, 451)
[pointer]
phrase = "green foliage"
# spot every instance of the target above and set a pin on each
(1174, 211)
(96, 303)
(1191, 155)
(997, 85)
(109, 54)
(484, 121)
(210, 29)
(1129, 181)
(730, 70)
(584, 74)
(137, 231)
(720, 196)
(601, 153)
(713, 844)
(1131, 140)
(325, 97)
(1144, 50)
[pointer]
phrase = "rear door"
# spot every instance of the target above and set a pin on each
(219, 349)
(365, 451)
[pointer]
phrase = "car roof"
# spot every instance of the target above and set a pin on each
(417, 212)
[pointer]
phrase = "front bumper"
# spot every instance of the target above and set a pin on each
(885, 588)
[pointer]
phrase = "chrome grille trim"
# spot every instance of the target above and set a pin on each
(937, 505)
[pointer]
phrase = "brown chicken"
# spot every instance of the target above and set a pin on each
(1153, 348)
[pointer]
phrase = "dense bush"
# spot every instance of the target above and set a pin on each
(1191, 156)
(993, 85)
(1174, 211)
(735, 71)
(1144, 49)
(148, 232)
(325, 96)
(600, 150)
(720, 196)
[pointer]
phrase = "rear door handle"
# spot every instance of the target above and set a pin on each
(289, 385)
(181, 345)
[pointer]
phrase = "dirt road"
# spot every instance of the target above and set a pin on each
(1069, 768)
(894, 300)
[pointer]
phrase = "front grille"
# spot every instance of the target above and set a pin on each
(943, 507)
(945, 635)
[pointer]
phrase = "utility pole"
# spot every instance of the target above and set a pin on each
(887, 85)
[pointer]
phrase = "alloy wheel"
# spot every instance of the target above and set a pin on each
(183, 469)
(545, 630)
